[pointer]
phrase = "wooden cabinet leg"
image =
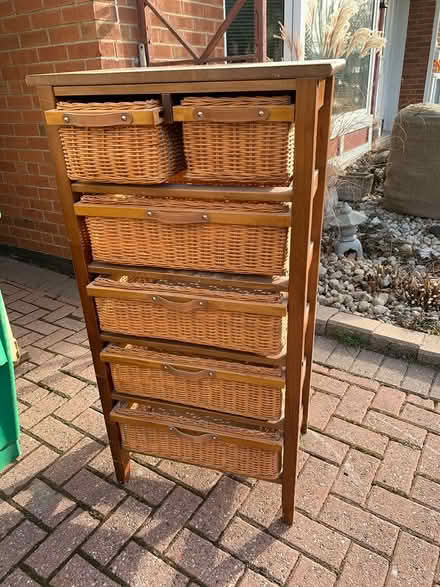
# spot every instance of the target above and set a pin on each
(289, 483)
(288, 507)
(305, 407)
(121, 457)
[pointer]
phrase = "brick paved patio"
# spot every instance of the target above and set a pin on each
(368, 490)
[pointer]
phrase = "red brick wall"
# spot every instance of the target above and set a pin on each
(196, 21)
(418, 45)
(355, 139)
(38, 36)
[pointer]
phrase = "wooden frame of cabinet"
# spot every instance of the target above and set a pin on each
(312, 86)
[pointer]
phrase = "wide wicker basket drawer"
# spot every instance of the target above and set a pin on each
(240, 139)
(118, 142)
(232, 319)
(247, 237)
(211, 442)
(222, 386)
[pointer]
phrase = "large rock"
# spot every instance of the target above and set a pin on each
(413, 170)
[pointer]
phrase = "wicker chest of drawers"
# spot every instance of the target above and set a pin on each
(193, 199)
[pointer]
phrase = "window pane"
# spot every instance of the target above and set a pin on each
(351, 91)
(240, 34)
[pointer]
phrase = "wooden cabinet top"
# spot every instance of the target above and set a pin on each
(196, 73)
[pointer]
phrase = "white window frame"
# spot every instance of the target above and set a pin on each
(430, 76)
(294, 21)
(396, 25)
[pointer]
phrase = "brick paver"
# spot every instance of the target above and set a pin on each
(418, 379)
(79, 572)
(221, 505)
(92, 491)
(311, 574)
(324, 447)
(368, 489)
(398, 467)
(139, 567)
(396, 429)
(389, 400)
(17, 544)
(314, 483)
(427, 492)
(357, 436)
(204, 561)
(413, 563)
(160, 529)
(314, 538)
(264, 552)
(429, 462)
(363, 567)
(406, 513)
(375, 533)
(61, 543)
(322, 406)
(392, 371)
(356, 476)
(9, 517)
(367, 363)
(116, 530)
(354, 404)
(46, 504)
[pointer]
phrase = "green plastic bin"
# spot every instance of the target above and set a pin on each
(9, 425)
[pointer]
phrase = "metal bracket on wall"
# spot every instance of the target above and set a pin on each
(142, 55)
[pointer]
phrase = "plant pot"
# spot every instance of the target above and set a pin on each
(352, 187)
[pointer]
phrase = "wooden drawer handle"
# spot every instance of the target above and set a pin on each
(195, 438)
(182, 217)
(190, 306)
(273, 113)
(188, 374)
(238, 114)
(90, 119)
(97, 119)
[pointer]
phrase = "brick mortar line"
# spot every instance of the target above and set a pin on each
(266, 530)
(427, 409)
(331, 393)
(437, 571)
(326, 459)
(175, 565)
(389, 521)
(291, 574)
(363, 426)
(429, 430)
(390, 566)
(50, 389)
(338, 377)
(370, 429)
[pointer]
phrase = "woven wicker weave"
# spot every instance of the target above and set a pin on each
(211, 247)
(239, 152)
(171, 440)
(209, 392)
(123, 154)
(243, 331)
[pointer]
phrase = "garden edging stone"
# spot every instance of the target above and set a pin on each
(386, 338)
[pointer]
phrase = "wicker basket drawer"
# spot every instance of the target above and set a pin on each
(118, 142)
(211, 442)
(233, 319)
(222, 386)
(238, 139)
(248, 237)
